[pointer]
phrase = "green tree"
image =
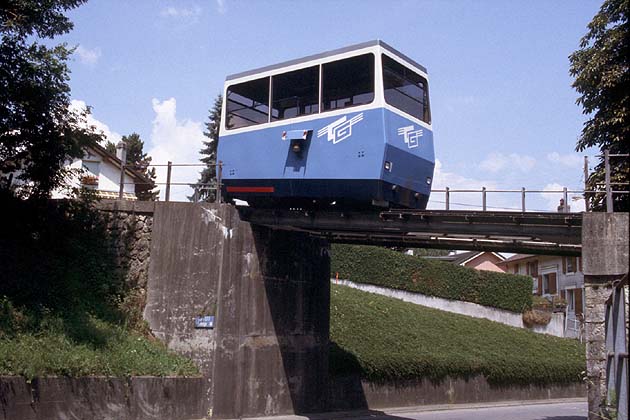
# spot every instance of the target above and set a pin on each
(140, 161)
(208, 176)
(37, 130)
(602, 78)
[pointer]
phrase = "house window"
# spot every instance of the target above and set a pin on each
(535, 280)
(90, 167)
(516, 269)
(549, 284)
(532, 268)
(571, 264)
(571, 300)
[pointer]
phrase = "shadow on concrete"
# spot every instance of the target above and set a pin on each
(295, 270)
(565, 418)
(354, 415)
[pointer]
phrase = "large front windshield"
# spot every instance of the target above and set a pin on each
(405, 90)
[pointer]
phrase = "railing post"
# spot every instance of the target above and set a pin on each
(448, 199)
(483, 198)
(523, 199)
(167, 195)
(565, 195)
(609, 197)
(121, 184)
(219, 180)
(587, 206)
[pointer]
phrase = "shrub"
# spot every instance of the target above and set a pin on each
(535, 317)
(387, 268)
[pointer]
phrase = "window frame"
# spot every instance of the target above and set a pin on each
(272, 92)
(417, 72)
(320, 90)
(374, 82)
(227, 111)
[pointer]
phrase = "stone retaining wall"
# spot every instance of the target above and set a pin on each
(101, 398)
(130, 226)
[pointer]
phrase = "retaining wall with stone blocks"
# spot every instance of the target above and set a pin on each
(101, 398)
(605, 259)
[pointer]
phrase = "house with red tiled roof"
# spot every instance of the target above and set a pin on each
(479, 260)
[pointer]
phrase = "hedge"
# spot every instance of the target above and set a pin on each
(381, 339)
(387, 268)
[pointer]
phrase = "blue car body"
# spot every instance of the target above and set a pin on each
(361, 155)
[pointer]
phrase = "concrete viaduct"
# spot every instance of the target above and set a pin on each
(265, 275)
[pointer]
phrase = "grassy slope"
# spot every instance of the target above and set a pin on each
(65, 308)
(384, 338)
(107, 349)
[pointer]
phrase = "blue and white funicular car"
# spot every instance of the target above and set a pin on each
(350, 128)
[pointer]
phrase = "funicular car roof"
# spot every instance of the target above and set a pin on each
(328, 54)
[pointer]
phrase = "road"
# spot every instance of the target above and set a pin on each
(555, 411)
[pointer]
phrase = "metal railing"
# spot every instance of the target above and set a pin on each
(197, 187)
(448, 192)
(484, 197)
(617, 349)
(607, 184)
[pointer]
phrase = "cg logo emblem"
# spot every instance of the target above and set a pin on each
(340, 129)
(411, 136)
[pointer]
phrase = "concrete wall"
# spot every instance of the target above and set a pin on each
(555, 326)
(100, 398)
(270, 293)
(186, 251)
(352, 393)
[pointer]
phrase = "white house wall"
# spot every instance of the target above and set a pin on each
(108, 177)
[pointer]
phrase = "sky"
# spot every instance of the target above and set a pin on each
(504, 113)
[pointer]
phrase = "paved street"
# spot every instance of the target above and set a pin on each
(557, 411)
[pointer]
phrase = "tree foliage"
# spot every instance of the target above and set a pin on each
(37, 130)
(208, 176)
(602, 78)
(140, 161)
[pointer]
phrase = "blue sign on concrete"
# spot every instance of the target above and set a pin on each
(204, 322)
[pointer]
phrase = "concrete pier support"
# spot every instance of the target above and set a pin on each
(271, 353)
(605, 259)
(270, 294)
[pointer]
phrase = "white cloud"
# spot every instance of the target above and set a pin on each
(178, 141)
(221, 6)
(88, 56)
(496, 162)
(554, 192)
(181, 12)
(458, 201)
(572, 160)
(80, 106)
